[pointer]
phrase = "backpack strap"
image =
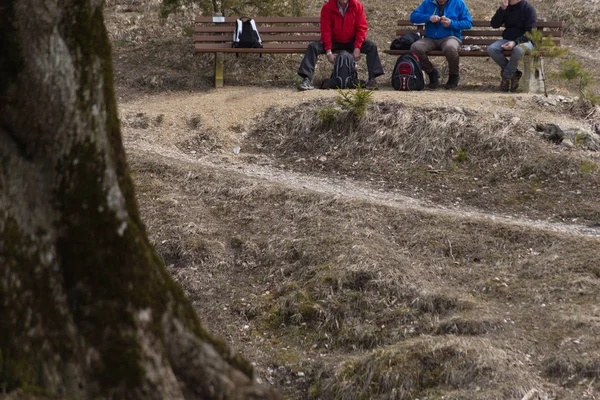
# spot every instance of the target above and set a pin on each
(255, 30)
(237, 30)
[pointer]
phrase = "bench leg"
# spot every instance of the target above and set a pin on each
(533, 76)
(219, 70)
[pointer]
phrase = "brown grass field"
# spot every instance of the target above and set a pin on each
(439, 247)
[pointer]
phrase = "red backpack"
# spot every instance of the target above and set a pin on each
(407, 74)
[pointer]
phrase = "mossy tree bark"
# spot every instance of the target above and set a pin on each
(87, 309)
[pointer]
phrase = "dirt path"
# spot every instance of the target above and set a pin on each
(231, 111)
(349, 189)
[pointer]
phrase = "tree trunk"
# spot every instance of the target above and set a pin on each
(87, 308)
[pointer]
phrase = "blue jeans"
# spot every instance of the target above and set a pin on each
(509, 67)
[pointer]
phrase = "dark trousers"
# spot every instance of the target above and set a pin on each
(307, 66)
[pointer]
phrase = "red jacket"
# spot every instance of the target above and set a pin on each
(352, 26)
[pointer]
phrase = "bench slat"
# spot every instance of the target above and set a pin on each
(439, 53)
(265, 20)
(261, 29)
(265, 38)
(472, 32)
(487, 42)
(268, 48)
(540, 24)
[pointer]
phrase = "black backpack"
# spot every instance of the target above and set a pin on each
(407, 74)
(405, 41)
(344, 75)
(245, 34)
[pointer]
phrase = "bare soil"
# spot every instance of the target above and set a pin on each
(363, 258)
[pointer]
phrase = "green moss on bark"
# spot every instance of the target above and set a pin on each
(109, 269)
(107, 275)
(94, 44)
(26, 343)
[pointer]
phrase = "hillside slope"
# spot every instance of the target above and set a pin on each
(341, 283)
(443, 246)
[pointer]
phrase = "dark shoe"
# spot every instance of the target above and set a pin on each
(306, 84)
(452, 82)
(434, 79)
(514, 81)
(371, 85)
(505, 85)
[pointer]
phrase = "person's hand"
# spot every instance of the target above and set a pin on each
(435, 19)
(504, 4)
(446, 21)
(356, 54)
(509, 45)
(331, 58)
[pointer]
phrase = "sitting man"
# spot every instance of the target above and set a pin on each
(444, 22)
(518, 18)
(343, 27)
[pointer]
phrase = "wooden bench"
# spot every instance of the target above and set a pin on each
(483, 35)
(278, 34)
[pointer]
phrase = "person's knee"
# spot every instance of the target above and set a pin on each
(416, 48)
(368, 45)
(517, 52)
(450, 51)
(314, 47)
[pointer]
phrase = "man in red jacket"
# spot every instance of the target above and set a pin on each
(343, 27)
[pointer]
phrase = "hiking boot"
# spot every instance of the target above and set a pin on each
(514, 81)
(505, 84)
(434, 79)
(371, 85)
(306, 84)
(452, 81)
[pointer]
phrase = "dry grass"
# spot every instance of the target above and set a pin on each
(428, 367)
(449, 305)
(448, 152)
(335, 295)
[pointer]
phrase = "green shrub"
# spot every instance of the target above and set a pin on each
(588, 167)
(460, 156)
(572, 70)
(355, 101)
(328, 114)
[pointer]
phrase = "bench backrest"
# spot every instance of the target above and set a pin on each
(482, 34)
(278, 34)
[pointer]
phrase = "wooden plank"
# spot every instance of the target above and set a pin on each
(406, 22)
(261, 29)
(483, 23)
(269, 20)
(268, 48)
(474, 32)
(401, 32)
(487, 42)
(438, 53)
(480, 42)
(471, 32)
(549, 24)
(265, 38)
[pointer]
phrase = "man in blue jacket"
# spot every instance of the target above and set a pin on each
(444, 22)
(518, 18)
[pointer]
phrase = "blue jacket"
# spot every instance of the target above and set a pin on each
(455, 10)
